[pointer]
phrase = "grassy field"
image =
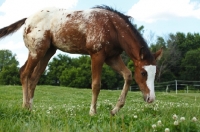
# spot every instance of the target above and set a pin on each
(58, 109)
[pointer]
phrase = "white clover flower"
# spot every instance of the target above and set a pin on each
(167, 130)
(50, 108)
(182, 119)
(155, 108)
(154, 126)
(175, 117)
(48, 112)
(194, 119)
(176, 123)
(135, 116)
(159, 123)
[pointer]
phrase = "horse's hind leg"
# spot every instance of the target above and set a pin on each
(31, 71)
(38, 70)
(25, 74)
(117, 64)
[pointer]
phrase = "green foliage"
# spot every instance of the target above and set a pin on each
(168, 75)
(159, 43)
(43, 79)
(9, 72)
(10, 75)
(188, 42)
(7, 58)
(125, 58)
(176, 63)
(131, 67)
(109, 78)
(191, 65)
(79, 75)
(66, 109)
(56, 67)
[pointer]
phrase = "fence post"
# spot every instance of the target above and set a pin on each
(167, 88)
(176, 86)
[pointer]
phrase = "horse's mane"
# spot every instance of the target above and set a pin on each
(127, 19)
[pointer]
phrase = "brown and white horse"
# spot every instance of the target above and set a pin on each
(101, 32)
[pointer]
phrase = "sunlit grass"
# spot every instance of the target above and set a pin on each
(67, 109)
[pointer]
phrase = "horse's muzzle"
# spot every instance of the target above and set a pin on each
(148, 98)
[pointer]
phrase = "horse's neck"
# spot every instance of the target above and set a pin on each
(130, 45)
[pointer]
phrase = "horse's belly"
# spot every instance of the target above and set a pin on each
(71, 45)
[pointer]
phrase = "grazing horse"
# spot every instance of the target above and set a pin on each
(101, 32)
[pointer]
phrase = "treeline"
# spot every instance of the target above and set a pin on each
(181, 61)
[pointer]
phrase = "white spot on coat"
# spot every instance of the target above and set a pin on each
(97, 47)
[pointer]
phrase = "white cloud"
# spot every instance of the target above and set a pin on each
(154, 10)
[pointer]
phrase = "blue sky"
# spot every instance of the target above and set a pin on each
(159, 17)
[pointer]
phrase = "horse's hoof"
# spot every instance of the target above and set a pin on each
(26, 106)
(91, 113)
(112, 113)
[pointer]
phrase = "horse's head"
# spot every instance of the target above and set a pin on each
(145, 71)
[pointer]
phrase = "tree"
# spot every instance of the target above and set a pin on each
(191, 65)
(79, 75)
(56, 67)
(109, 78)
(9, 75)
(43, 79)
(187, 42)
(184, 43)
(9, 72)
(7, 58)
(169, 59)
(159, 43)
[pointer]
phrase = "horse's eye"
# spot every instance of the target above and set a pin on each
(143, 73)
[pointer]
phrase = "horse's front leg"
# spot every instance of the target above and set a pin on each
(117, 64)
(97, 63)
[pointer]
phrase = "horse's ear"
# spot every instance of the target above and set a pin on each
(142, 53)
(158, 54)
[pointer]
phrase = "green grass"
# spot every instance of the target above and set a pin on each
(67, 109)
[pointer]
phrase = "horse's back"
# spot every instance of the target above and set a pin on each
(69, 31)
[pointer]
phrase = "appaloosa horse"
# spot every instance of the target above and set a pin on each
(101, 32)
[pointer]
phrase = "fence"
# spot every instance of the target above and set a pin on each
(176, 85)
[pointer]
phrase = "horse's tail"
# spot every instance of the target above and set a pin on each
(11, 28)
